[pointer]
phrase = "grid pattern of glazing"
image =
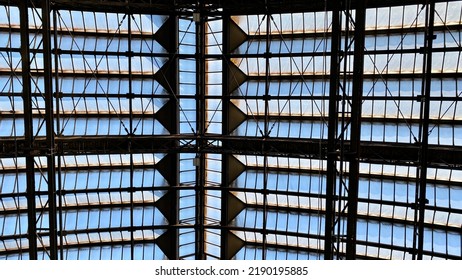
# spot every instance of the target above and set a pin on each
(394, 110)
(104, 86)
(218, 77)
(285, 94)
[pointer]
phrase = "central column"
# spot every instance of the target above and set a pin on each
(199, 19)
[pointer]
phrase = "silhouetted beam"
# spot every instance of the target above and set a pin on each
(235, 7)
(373, 152)
(331, 176)
(49, 124)
(424, 128)
(28, 130)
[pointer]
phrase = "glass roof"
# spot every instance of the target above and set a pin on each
(206, 85)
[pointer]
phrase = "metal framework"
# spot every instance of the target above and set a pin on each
(230, 130)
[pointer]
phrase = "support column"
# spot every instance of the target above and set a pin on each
(50, 133)
(58, 95)
(131, 133)
(28, 130)
(266, 131)
(225, 178)
(332, 132)
(199, 18)
(355, 138)
(424, 126)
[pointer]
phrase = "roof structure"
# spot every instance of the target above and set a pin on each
(276, 129)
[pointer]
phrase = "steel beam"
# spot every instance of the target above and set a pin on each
(234, 7)
(361, 216)
(50, 132)
(199, 18)
(28, 130)
(57, 117)
(371, 152)
(252, 244)
(225, 178)
(266, 132)
(299, 118)
(393, 30)
(21, 171)
(354, 152)
(130, 133)
(306, 77)
(331, 176)
(421, 188)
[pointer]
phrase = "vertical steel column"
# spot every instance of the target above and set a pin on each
(173, 49)
(424, 126)
(58, 129)
(355, 138)
(266, 98)
(28, 130)
(49, 118)
(199, 18)
(225, 180)
(131, 133)
(343, 124)
(332, 132)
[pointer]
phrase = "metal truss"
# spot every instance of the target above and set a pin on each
(207, 217)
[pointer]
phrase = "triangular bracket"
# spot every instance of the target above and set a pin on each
(164, 35)
(166, 167)
(167, 116)
(234, 243)
(235, 77)
(167, 242)
(164, 204)
(236, 117)
(166, 76)
(236, 36)
(235, 206)
(235, 168)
